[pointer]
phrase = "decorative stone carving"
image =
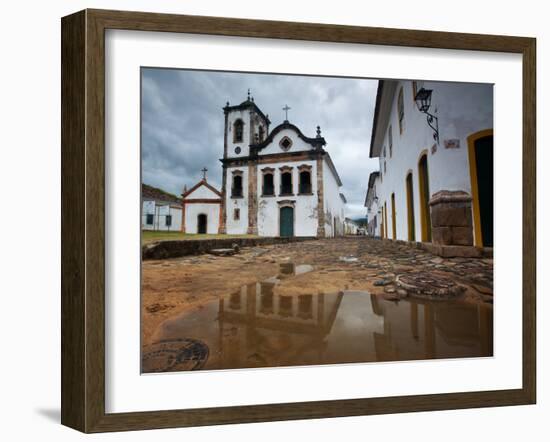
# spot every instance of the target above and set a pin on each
(285, 143)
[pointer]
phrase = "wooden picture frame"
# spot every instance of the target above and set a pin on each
(83, 220)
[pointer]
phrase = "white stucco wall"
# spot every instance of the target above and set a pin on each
(462, 109)
(240, 226)
(332, 202)
(193, 210)
(159, 212)
(305, 210)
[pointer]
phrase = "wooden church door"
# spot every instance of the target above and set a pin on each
(286, 227)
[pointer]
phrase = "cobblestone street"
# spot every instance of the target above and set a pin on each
(393, 271)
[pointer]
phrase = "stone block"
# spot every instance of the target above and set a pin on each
(442, 235)
(451, 214)
(452, 251)
(462, 236)
(459, 252)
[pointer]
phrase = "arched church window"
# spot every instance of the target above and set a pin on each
(400, 110)
(238, 129)
(305, 181)
(268, 188)
(286, 181)
(237, 187)
(261, 133)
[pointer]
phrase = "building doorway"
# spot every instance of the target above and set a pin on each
(286, 225)
(393, 218)
(382, 224)
(410, 207)
(480, 150)
(386, 227)
(202, 222)
(424, 187)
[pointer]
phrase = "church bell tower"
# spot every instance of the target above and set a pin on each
(245, 125)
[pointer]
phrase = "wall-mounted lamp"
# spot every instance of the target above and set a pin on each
(423, 100)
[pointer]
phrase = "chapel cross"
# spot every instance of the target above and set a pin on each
(204, 170)
(286, 109)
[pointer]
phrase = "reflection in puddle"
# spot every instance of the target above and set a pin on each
(291, 269)
(256, 327)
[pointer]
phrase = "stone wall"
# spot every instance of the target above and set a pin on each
(176, 249)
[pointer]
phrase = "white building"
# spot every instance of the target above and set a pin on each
(160, 210)
(277, 182)
(436, 174)
(351, 227)
(374, 210)
(201, 208)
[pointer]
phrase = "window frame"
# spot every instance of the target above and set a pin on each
(283, 171)
(268, 171)
(305, 168)
(235, 174)
(238, 123)
(401, 111)
(390, 139)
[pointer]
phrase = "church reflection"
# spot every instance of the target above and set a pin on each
(266, 326)
(258, 327)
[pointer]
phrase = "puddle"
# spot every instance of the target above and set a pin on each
(257, 327)
(348, 259)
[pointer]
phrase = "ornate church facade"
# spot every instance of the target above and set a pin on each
(276, 182)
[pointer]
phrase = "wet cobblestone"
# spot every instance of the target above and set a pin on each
(370, 265)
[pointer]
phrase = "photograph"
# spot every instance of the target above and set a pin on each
(302, 220)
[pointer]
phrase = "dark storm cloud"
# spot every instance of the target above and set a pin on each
(182, 123)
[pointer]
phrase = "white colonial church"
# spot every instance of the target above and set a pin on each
(276, 182)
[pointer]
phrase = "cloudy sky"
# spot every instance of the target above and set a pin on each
(183, 123)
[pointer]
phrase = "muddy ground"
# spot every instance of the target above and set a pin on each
(385, 268)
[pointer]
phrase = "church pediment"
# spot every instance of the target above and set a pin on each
(286, 142)
(202, 190)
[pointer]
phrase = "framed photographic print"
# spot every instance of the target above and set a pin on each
(268, 220)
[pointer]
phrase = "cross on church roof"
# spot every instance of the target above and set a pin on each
(204, 170)
(286, 109)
